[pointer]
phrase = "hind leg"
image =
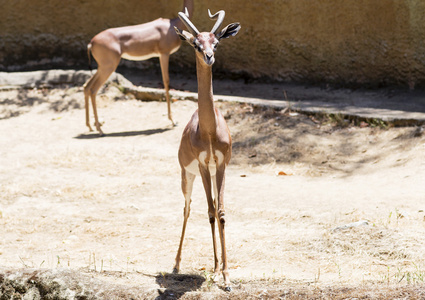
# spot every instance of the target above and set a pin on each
(220, 214)
(206, 181)
(93, 87)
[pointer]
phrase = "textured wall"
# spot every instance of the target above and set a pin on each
(368, 42)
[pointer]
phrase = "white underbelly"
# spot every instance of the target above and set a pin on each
(193, 167)
(174, 50)
(138, 58)
(145, 57)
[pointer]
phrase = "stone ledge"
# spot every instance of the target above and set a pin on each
(51, 78)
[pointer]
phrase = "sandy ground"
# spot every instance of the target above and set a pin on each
(112, 207)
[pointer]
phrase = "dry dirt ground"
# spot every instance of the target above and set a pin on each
(83, 217)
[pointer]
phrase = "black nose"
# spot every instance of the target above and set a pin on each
(209, 59)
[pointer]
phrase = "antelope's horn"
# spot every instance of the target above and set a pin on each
(184, 17)
(220, 17)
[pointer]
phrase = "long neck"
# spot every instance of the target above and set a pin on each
(206, 113)
(189, 5)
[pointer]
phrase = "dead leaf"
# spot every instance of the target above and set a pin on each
(363, 124)
(281, 173)
(248, 108)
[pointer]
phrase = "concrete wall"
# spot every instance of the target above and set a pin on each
(357, 42)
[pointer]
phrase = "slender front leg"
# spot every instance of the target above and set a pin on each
(206, 180)
(164, 62)
(187, 187)
(220, 175)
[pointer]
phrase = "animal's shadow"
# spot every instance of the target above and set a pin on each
(174, 286)
(121, 134)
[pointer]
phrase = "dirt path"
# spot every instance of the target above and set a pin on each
(112, 207)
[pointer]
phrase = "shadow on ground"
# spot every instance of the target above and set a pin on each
(174, 286)
(267, 136)
(121, 134)
(16, 102)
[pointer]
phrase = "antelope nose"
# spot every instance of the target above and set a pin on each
(209, 58)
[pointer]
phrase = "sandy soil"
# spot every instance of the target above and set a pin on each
(111, 207)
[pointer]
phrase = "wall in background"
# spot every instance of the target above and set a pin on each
(354, 42)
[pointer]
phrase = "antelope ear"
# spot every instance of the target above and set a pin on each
(229, 30)
(184, 35)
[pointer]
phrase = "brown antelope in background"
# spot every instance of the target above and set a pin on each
(206, 144)
(138, 42)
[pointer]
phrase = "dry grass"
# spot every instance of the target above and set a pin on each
(111, 207)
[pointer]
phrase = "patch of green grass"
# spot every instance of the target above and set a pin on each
(209, 278)
(377, 123)
(343, 121)
(400, 275)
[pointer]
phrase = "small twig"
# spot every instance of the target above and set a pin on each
(25, 265)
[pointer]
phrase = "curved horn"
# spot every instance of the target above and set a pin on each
(184, 17)
(220, 19)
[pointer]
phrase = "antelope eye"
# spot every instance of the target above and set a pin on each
(197, 46)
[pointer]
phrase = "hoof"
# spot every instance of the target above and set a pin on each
(175, 271)
(228, 289)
